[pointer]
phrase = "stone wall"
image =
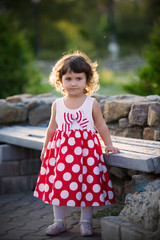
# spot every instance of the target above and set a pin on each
(143, 207)
(19, 168)
(126, 115)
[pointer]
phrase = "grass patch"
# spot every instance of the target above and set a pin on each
(112, 210)
(112, 83)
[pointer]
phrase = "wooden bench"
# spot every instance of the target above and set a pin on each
(136, 154)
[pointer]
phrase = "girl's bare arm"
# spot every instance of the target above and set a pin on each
(102, 129)
(50, 130)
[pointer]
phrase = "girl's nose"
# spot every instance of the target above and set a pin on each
(73, 82)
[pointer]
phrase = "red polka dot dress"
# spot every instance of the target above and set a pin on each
(73, 172)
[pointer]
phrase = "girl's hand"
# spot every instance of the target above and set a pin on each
(42, 154)
(112, 149)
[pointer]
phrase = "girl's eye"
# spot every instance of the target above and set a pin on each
(68, 79)
(78, 78)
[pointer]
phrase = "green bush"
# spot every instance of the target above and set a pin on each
(17, 67)
(148, 80)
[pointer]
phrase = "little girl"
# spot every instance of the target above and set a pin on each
(73, 172)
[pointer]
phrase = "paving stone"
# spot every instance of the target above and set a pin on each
(24, 217)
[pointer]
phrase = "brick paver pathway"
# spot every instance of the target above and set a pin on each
(24, 217)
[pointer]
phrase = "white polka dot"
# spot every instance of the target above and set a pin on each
(85, 135)
(96, 170)
(49, 145)
(80, 178)
(78, 150)
(53, 145)
(71, 141)
(71, 203)
(58, 143)
(47, 161)
(90, 143)
(100, 167)
(96, 188)
(83, 204)
(110, 195)
(55, 152)
(110, 183)
(41, 187)
(67, 176)
(58, 184)
(73, 186)
(85, 152)
(64, 194)
(101, 157)
(69, 158)
(43, 170)
(63, 140)
(47, 170)
(104, 168)
(89, 179)
(76, 168)
(90, 161)
(51, 179)
(50, 195)
(89, 196)
(84, 169)
(55, 201)
(60, 167)
(95, 140)
(95, 153)
(64, 149)
(46, 187)
(101, 197)
(95, 204)
(43, 198)
(79, 196)
(103, 177)
(36, 194)
(104, 194)
(84, 187)
(52, 161)
(107, 202)
(77, 134)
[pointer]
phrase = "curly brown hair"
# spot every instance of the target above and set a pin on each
(77, 62)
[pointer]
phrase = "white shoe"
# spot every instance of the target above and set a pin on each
(55, 228)
(86, 230)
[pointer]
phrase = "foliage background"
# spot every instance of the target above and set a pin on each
(50, 28)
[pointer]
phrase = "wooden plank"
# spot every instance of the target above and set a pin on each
(138, 149)
(136, 141)
(135, 153)
(22, 139)
(156, 162)
(130, 161)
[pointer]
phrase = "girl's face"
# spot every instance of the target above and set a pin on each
(74, 83)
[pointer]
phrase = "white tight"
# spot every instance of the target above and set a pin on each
(60, 212)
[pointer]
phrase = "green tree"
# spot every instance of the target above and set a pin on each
(148, 81)
(17, 66)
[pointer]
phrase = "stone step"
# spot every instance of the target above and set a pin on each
(114, 228)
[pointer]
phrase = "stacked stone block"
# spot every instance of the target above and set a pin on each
(19, 168)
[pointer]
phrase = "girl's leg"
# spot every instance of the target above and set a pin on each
(59, 212)
(85, 221)
(59, 221)
(86, 213)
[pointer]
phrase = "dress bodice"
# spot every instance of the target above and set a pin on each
(80, 118)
